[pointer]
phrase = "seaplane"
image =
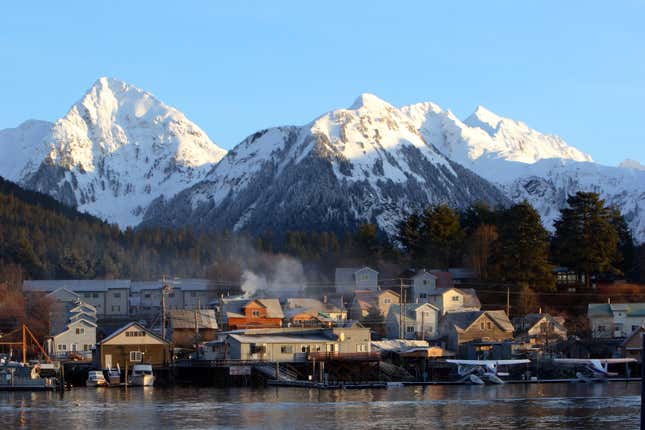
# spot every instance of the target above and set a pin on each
(480, 372)
(593, 369)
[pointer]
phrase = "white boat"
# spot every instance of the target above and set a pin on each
(113, 376)
(96, 379)
(141, 376)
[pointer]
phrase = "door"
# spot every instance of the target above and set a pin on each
(108, 361)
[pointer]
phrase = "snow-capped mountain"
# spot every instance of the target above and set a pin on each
(631, 164)
(528, 165)
(365, 163)
(114, 152)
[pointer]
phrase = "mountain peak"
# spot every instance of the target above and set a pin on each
(484, 119)
(628, 163)
(369, 101)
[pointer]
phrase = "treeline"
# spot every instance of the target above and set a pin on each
(47, 240)
(510, 245)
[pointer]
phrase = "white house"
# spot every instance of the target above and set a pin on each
(454, 300)
(615, 320)
(79, 337)
(350, 279)
(422, 284)
(420, 321)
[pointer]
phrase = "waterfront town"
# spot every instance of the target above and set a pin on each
(433, 328)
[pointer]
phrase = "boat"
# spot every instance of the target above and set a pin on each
(19, 376)
(141, 376)
(113, 376)
(95, 378)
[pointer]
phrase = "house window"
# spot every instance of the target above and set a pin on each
(361, 347)
(425, 282)
(171, 295)
(147, 295)
(423, 295)
(87, 295)
(364, 277)
(135, 333)
(410, 329)
(489, 325)
(387, 301)
(116, 295)
(116, 308)
(601, 328)
(305, 348)
(286, 349)
(87, 347)
(80, 330)
(95, 295)
(136, 356)
(193, 294)
(481, 325)
(255, 313)
(455, 298)
(429, 327)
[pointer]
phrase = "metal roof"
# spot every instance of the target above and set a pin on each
(242, 338)
(76, 285)
(186, 319)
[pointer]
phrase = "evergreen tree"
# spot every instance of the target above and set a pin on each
(442, 236)
(521, 253)
(626, 255)
(585, 238)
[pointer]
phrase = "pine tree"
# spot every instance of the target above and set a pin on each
(585, 238)
(442, 236)
(521, 253)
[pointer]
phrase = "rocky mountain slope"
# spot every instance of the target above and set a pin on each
(367, 163)
(114, 152)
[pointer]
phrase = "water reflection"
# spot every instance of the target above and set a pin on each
(507, 407)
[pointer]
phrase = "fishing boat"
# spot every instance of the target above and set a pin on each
(95, 378)
(19, 376)
(141, 376)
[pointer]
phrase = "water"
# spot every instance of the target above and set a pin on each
(512, 406)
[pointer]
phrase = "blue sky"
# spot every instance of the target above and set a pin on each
(573, 68)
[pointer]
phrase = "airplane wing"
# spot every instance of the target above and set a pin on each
(592, 360)
(488, 362)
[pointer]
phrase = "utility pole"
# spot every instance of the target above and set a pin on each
(165, 289)
(508, 302)
(401, 331)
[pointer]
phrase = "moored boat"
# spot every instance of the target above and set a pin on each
(95, 378)
(141, 376)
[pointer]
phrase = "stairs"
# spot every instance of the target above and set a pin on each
(284, 373)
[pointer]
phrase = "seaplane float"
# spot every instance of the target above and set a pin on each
(593, 369)
(481, 372)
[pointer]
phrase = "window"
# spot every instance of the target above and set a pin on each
(87, 347)
(410, 329)
(193, 294)
(423, 296)
(87, 295)
(489, 325)
(135, 333)
(95, 295)
(387, 301)
(147, 295)
(171, 295)
(601, 328)
(255, 313)
(116, 295)
(481, 325)
(305, 348)
(425, 282)
(364, 277)
(286, 349)
(116, 308)
(136, 356)
(361, 347)
(80, 330)
(455, 298)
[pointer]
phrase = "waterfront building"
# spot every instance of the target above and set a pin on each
(288, 344)
(615, 320)
(72, 326)
(632, 346)
(475, 332)
(190, 327)
(130, 345)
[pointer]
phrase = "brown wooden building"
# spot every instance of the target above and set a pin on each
(133, 344)
(189, 327)
(484, 327)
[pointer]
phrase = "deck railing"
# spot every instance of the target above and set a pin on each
(344, 356)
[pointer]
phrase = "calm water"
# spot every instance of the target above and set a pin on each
(575, 406)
